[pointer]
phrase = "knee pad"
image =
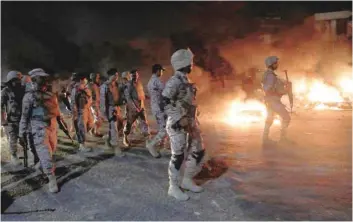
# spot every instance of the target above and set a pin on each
(177, 160)
(198, 156)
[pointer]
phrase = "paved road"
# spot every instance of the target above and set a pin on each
(310, 179)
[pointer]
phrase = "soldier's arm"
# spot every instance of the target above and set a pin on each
(27, 104)
(102, 96)
(169, 92)
(160, 85)
(4, 99)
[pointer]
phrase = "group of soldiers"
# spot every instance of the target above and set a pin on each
(30, 112)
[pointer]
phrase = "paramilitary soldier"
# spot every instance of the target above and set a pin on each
(182, 127)
(155, 88)
(134, 108)
(11, 108)
(40, 110)
(94, 86)
(274, 89)
(83, 103)
(109, 105)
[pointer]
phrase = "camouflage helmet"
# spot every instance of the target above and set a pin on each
(269, 61)
(73, 77)
(181, 58)
(93, 76)
(125, 75)
(37, 72)
(12, 75)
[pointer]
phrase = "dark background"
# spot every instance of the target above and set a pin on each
(66, 36)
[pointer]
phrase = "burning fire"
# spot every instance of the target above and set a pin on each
(314, 93)
(240, 113)
(321, 95)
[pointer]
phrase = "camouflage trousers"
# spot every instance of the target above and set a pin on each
(98, 119)
(186, 147)
(114, 119)
(30, 145)
(84, 124)
(45, 142)
(161, 119)
(275, 106)
(132, 116)
(12, 130)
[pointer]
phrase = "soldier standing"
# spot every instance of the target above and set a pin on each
(182, 127)
(274, 89)
(11, 107)
(109, 103)
(94, 86)
(83, 103)
(134, 108)
(71, 92)
(40, 112)
(155, 88)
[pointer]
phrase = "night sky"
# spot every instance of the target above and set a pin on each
(60, 29)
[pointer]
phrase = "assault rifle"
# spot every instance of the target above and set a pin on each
(63, 127)
(289, 91)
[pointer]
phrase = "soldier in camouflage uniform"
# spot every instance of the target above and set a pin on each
(11, 107)
(124, 80)
(29, 87)
(134, 108)
(155, 88)
(71, 91)
(182, 127)
(274, 89)
(109, 103)
(83, 103)
(39, 113)
(94, 87)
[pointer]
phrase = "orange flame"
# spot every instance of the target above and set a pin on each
(240, 113)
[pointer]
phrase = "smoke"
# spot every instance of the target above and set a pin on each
(302, 50)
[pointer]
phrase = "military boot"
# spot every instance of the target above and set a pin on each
(83, 148)
(118, 151)
(174, 180)
(126, 142)
(265, 137)
(53, 186)
(191, 169)
(150, 145)
(15, 160)
(175, 191)
(107, 145)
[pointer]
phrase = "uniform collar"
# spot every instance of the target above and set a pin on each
(181, 74)
(271, 71)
